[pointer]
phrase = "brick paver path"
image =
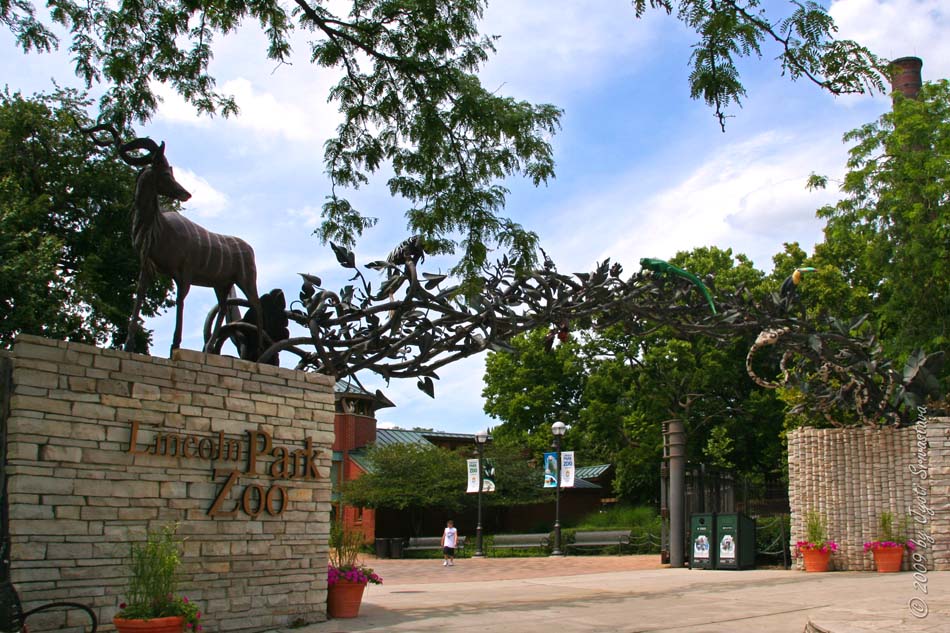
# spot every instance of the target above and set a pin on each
(422, 571)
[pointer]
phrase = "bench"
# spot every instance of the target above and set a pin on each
(420, 543)
(518, 541)
(601, 539)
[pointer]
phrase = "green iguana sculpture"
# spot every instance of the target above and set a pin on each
(661, 267)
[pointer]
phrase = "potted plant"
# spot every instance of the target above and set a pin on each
(151, 602)
(888, 549)
(816, 549)
(346, 578)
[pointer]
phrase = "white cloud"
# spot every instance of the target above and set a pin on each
(899, 28)
(308, 217)
(298, 119)
(206, 201)
(749, 196)
(561, 47)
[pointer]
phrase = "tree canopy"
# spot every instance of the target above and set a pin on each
(616, 390)
(409, 91)
(888, 239)
(414, 477)
(67, 266)
(409, 476)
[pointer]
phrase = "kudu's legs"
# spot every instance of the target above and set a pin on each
(136, 308)
(183, 289)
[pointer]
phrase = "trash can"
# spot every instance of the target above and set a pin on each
(395, 547)
(702, 532)
(382, 548)
(735, 541)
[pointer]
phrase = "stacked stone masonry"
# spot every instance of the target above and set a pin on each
(78, 497)
(851, 476)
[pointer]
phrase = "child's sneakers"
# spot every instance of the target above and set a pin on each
(445, 563)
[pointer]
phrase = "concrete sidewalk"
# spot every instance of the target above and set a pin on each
(631, 594)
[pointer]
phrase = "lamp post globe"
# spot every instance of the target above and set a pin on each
(557, 429)
(480, 439)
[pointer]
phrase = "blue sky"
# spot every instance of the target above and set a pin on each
(642, 170)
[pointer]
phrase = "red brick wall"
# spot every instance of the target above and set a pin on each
(353, 431)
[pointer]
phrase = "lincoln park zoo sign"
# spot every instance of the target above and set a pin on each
(231, 498)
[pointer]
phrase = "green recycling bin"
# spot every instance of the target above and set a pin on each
(702, 534)
(735, 541)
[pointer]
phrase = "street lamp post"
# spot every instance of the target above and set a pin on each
(480, 438)
(557, 429)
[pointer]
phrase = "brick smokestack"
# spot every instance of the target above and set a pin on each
(905, 76)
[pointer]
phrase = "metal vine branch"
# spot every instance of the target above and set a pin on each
(408, 325)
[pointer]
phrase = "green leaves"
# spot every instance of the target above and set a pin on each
(409, 476)
(421, 109)
(887, 236)
(409, 92)
(732, 29)
(67, 266)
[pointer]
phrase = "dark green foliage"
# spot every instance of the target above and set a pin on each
(414, 477)
(530, 389)
(517, 480)
(409, 476)
(886, 250)
(409, 90)
(617, 389)
(67, 266)
(643, 522)
(804, 35)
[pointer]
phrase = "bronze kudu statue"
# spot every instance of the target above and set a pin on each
(167, 242)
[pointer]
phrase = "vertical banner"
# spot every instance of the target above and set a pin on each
(567, 469)
(550, 470)
(472, 476)
(488, 476)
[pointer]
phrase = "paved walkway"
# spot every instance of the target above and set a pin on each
(634, 594)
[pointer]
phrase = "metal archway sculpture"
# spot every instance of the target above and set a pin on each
(410, 325)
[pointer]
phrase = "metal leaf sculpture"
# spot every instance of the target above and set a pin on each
(410, 326)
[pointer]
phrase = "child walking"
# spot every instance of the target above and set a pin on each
(449, 539)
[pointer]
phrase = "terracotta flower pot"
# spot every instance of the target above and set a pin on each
(888, 559)
(344, 599)
(173, 624)
(816, 560)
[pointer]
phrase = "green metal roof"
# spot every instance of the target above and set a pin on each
(386, 437)
(450, 436)
(359, 458)
(591, 472)
(583, 483)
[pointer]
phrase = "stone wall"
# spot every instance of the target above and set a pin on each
(850, 476)
(103, 445)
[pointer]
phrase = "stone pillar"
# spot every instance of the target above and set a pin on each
(104, 445)
(849, 476)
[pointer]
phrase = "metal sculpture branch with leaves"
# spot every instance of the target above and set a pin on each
(410, 326)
